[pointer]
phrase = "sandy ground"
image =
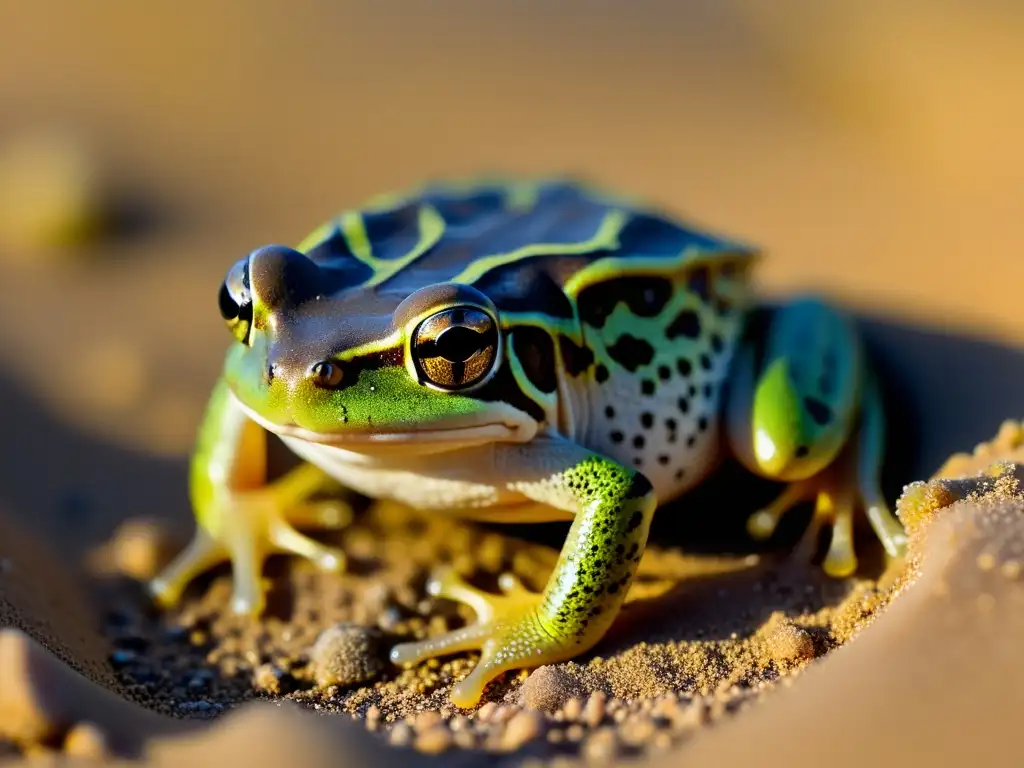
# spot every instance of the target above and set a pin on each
(872, 152)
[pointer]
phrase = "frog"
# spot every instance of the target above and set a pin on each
(511, 351)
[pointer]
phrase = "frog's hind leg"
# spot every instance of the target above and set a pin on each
(813, 417)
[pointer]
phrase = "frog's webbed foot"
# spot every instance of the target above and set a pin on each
(245, 527)
(837, 494)
(508, 633)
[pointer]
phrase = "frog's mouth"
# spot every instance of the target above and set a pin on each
(378, 439)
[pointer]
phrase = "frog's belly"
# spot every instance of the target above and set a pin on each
(460, 481)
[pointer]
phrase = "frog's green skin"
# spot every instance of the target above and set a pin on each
(515, 351)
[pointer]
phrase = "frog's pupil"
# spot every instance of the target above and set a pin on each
(459, 343)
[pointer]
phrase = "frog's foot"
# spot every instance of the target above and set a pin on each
(508, 633)
(837, 496)
(246, 526)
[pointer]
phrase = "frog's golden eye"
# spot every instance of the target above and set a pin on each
(456, 348)
(235, 302)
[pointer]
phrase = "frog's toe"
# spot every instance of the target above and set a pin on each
(887, 528)
(248, 598)
(762, 524)
(202, 553)
(508, 633)
(328, 514)
(840, 560)
(289, 541)
(448, 584)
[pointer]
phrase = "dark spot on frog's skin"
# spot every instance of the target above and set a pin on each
(638, 462)
(829, 372)
(702, 424)
(802, 452)
(647, 419)
(708, 389)
(717, 345)
(691, 441)
(601, 373)
(671, 425)
(684, 405)
(705, 362)
(631, 352)
(692, 390)
(609, 412)
(617, 437)
(634, 521)
(699, 281)
(818, 411)
(536, 353)
(664, 372)
(686, 323)
(684, 366)
(826, 385)
(645, 297)
(638, 442)
(647, 387)
(520, 290)
(663, 459)
(575, 358)
(680, 473)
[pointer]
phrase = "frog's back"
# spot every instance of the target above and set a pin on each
(620, 321)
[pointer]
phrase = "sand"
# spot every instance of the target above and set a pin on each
(727, 651)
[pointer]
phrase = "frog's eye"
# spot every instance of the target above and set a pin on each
(235, 301)
(456, 348)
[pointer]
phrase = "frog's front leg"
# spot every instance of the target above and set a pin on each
(804, 408)
(613, 507)
(240, 516)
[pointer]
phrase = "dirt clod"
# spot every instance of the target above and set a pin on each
(346, 654)
(548, 688)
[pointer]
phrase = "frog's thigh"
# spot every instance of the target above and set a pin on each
(612, 507)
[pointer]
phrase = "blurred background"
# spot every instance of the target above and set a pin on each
(872, 148)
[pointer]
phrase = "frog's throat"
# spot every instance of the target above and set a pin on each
(408, 436)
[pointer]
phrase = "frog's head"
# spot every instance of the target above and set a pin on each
(365, 369)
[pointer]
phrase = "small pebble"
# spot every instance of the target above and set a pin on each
(594, 710)
(86, 740)
(401, 735)
(572, 709)
(486, 713)
(346, 654)
(602, 746)
(424, 721)
(548, 688)
(434, 740)
(523, 727)
(789, 644)
(464, 739)
(266, 678)
(637, 731)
